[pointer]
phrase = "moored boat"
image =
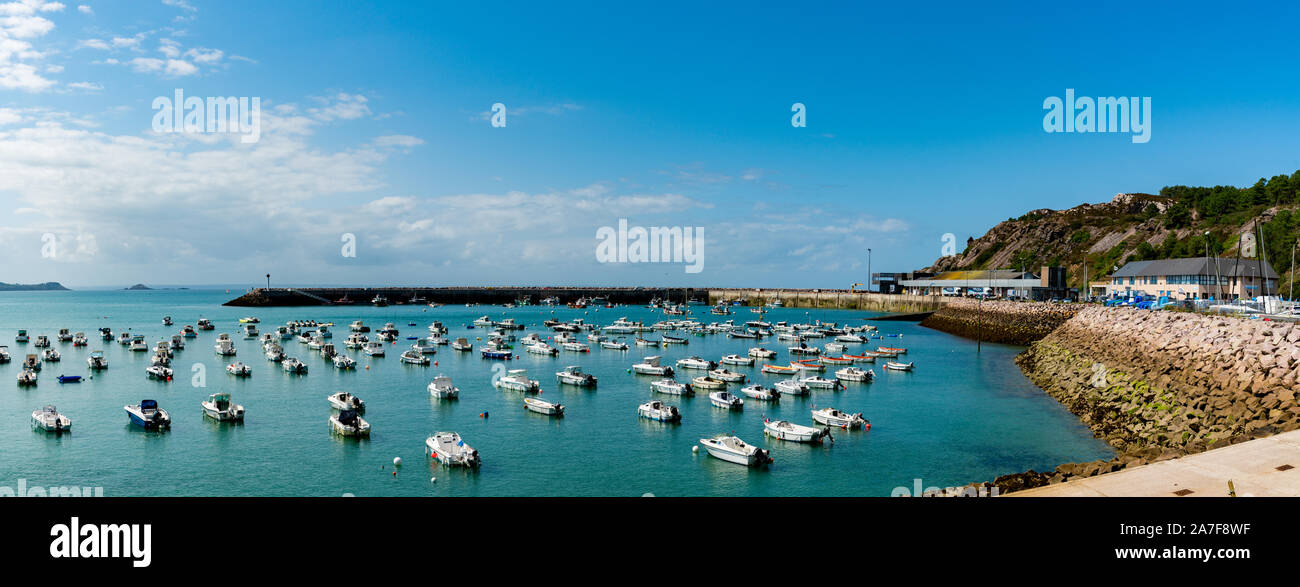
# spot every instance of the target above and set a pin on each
(855, 374)
(759, 392)
(726, 400)
(834, 417)
(786, 430)
(148, 415)
(535, 404)
(672, 387)
(293, 365)
(451, 450)
(49, 419)
(736, 360)
(651, 366)
(818, 382)
(896, 366)
(727, 375)
(346, 401)
(219, 407)
(349, 423)
(659, 411)
(441, 387)
(97, 361)
(779, 369)
(573, 375)
(734, 450)
(759, 352)
(517, 380)
(696, 363)
(706, 382)
(791, 387)
(239, 369)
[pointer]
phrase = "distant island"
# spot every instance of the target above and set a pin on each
(139, 286)
(47, 286)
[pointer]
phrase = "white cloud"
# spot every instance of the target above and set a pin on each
(398, 141)
(85, 9)
(93, 44)
(9, 116)
(182, 4)
(88, 86)
(20, 21)
(205, 56)
(180, 67)
(341, 106)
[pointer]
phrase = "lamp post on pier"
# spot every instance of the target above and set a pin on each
(268, 281)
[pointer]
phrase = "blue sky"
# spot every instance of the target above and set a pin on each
(920, 121)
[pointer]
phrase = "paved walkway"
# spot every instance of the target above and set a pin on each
(1266, 467)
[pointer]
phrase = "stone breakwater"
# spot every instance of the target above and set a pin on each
(1018, 323)
(1159, 385)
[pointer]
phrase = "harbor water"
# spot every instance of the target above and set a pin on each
(960, 417)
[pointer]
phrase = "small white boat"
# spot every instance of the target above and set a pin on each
(759, 352)
(803, 349)
(779, 369)
(696, 363)
(414, 357)
(786, 430)
(355, 341)
(541, 348)
(651, 366)
(672, 387)
(573, 375)
(27, 377)
(50, 420)
(818, 382)
(293, 365)
(188, 331)
(342, 361)
(834, 417)
(896, 366)
(543, 407)
(725, 400)
(178, 342)
(219, 407)
(834, 347)
(576, 347)
(225, 347)
(374, 349)
(349, 423)
(358, 326)
(160, 372)
(855, 374)
(737, 360)
(51, 356)
(65, 335)
(346, 401)
(79, 339)
(759, 392)
(22, 337)
(856, 338)
(124, 339)
(425, 346)
(734, 450)
(727, 375)
(5, 357)
(659, 411)
(451, 450)
(706, 382)
(442, 388)
(239, 369)
(613, 344)
(96, 360)
(250, 331)
(274, 353)
(462, 344)
(517, 380)
(791, 387)
(205, 324)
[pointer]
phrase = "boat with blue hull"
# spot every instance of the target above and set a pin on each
(148, 415)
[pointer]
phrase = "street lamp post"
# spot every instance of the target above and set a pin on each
(268, 281)
(868, 270)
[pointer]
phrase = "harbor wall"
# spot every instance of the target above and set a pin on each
(1018, 323)
(1156, 385)
(841, 299)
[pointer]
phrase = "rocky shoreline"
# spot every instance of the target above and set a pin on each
(1158, 385)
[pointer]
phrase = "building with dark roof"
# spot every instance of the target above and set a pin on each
(1195, 278)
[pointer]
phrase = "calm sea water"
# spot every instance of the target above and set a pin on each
(960, 417)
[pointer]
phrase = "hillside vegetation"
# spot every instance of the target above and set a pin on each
(1178, 222)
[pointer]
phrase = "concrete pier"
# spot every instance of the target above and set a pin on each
(1265, 467)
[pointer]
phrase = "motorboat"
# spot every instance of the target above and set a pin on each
(659, 411)
(250, 331)
(759, 392)
(759, 352)
(225, 347)
(493, 352)
(27, 377)
(106, 333)
(451, 450)
(205, 324)
(356, 341)
(5, 357)
(148, 415)
(441, 387)
(614, 345)
(543, 407)
(651, 366)
(188, 331)
(124, 339)
(160, 372)
(373, 348)
(51, 356)
(327, 351)
(812, 365)
(358, 326)
(727, 375)
(65, 335)
(274, 353)
(379, 301)
(239, 369)
(834, 417)
(349, 423)
(890, 349)
(317, 343)
(32, 362)
(573, 375)
(835, 347)
(437, 328)
(541, 348)
(517, 380)
(819, 382)
(726, 400)
(414, 357)
(49, 419)
(160, 359)
(826, 360)
(706, 382)
(779, 369)
(896, 366)
(42, 341)
(482, 321)
(343, 362)
(177, 343)
(737, 360)
(855, 374)
(696, 363)
(804, 349)
(346, 401)
(508, 324)
(219, 407)
(863, 358)
(854, 338)
(425, 347)
(22, 337)
(79, 339)
(673, 339)
(787, 430)
(323, 331)
(734, 450)
(249, 320)
(96, 360)
(672, 387)
(69, 378)
(461, 344)
(575, 346)
(293, 365)
(791, 387)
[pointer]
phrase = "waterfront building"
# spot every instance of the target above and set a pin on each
(1194, 278)
(996, 283)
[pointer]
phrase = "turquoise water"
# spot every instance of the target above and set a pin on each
(960, 417)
